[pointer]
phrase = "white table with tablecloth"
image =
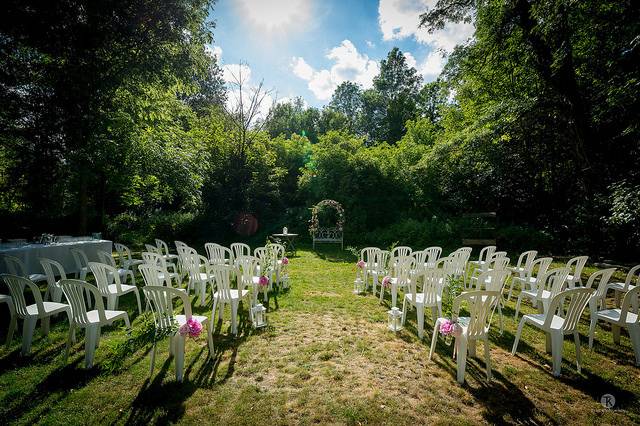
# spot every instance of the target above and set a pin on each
(60, 252)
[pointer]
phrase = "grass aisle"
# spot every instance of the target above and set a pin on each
(327, 357)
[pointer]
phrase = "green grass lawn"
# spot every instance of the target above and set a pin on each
(326, 357)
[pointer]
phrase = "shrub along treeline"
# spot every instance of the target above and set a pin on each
(115, 121)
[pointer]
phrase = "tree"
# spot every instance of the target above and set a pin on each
(347, 100)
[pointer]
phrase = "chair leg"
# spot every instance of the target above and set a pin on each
(45, 325)
(518, 333)
(203, 290)
(615, 329)
(576, 339)
(404, 311)
(434, 337)
(234, 317)
(394, 294)
(518, 307)
(556, 352)
(209, 330)
(500, 317)
(179, 355)
(592, 329)
(462, 357)
(91, 334)
(420, 313)
(487, 357)
(137, 293)
(153, 358)
(634, 335)
(27, 334)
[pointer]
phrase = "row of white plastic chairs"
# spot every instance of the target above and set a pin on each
(548, 289)
(109, 285)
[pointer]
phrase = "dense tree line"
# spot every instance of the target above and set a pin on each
(115, 118)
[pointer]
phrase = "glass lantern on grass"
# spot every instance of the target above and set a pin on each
(285, 281)
(359, 286)
(259, 316)
(395, 319)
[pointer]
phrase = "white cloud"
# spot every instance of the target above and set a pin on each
(349, 65)
(370, 43)
(431, 67)
(276, 16)
(214, 51)
(398, 19)
(301, 68)
(411, 61)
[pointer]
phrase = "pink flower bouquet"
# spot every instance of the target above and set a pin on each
(360, 264)
(192, 328)
(263, 281)
(386, 281)
(450, 328)
(285, 261)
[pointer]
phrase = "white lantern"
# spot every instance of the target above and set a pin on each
(285, 230)
(285, 281)
(259, 316)
(395, 319)
(358, 286)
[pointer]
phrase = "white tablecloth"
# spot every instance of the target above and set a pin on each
(59, 252)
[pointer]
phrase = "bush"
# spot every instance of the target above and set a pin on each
(134, 230)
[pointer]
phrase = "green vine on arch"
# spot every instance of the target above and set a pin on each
(314, 224)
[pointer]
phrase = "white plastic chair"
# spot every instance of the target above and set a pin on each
(108, 281)
(460, 259)
(199, 278)
(556, 325)
(90, 320)
(483, 258)
(152, 249)
(549, 285)
(631, 281)
(247, 269)
(368, 256)
(4, 298)
(240, 249)
(163, 249)
(107, 259)
(126, 259)
(421, 260)
(224, 294)
(576, 265)
(30, 314)
(494, 280)
(160, 299)
(430, 297)
(54, 292)
(481, 305)
(401, 268)
(497, 261)
(277, 252)
(522, 268)
(160, 262)
(530, 282)
(433, 254)
(401, 251)
(15, 266)
(217, 254)
(381, 267)
(81, 261)
(621, 318)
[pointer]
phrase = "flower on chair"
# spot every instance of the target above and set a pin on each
(263, 281)
(360, 264)
(192, 328)
(450, 328)
(386, 281)
(285, 261)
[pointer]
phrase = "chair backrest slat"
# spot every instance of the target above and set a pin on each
(17, 285)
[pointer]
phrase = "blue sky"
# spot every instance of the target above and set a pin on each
(307, 47)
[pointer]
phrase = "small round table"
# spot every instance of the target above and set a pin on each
(289, 246)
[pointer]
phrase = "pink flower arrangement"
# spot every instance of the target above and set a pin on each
(386, 281)
(285, 261)
(450, 328)
(263, 281)
(192, 328)
(360, 264)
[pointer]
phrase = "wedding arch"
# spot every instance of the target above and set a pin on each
(333, 234)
